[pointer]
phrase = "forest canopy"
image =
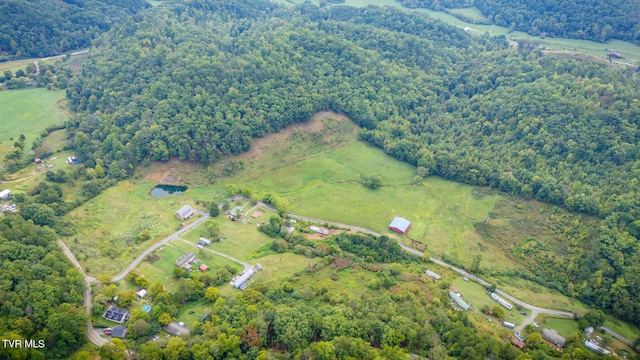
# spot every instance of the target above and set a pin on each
(39, 28)
(199, 80)
(600, 20)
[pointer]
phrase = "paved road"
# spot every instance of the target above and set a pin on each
(92, 333)
(48, 58)
(163, 242)
(246, 266)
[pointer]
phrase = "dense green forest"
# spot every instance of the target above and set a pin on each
(600, 21)
(40, 292)
(197, 81)
(38, 28)
(583, 19)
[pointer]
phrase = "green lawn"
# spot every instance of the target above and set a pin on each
(242, 239)
(563, 326)
(280, 266)
(191, 312)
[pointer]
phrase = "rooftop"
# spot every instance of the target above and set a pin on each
(116, 314)
(176, 329)
(399, 223)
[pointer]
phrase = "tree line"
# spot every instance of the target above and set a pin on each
(598, 21)
(39, 28)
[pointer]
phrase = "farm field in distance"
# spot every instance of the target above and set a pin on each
(28, 112)
(561, 46)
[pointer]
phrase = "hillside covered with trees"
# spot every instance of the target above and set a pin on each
(599, 21)
(40, 292)
(39, 28)
(198, 81)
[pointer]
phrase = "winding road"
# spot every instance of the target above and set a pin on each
(92, 333)
(95, 337)
(162, 242)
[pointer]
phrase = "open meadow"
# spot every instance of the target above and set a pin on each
(109, 225)
(28, 112)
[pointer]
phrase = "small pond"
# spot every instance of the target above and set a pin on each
(166, 190)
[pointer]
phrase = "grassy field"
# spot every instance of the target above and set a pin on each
(472, 13)
(563, 326)
(105, 241)
(533, 293)
(242, 239)
(28, 112)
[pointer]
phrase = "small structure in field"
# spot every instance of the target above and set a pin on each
(204, 241)
(4, 194)
(593, 346)
(185, 261)
(204, 267)
(185, 212)
(510, 325)
(142, 293)
(119, 331)
(433, 275)
(241, 281)
(319, 230)
(236, 212)
(614, 55)
(400, 225)
(37, 160)
(458, 300)
(116, 314)
(258, 267)
(176, 329)
(290, 229)
(501, 301)
(553, 336)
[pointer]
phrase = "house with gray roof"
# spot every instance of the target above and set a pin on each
(185, 212)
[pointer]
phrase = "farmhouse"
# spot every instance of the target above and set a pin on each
(236, 211)
(458, 300)
(433, 275)
(591, 345)
(400, 225)
(240, 281)
(185, 212)
(204, 241)
(319, 230)
(501, 301)
(185, 261)
(119, 331)
(116, 315)
(553, 337)
(4, 194)
(176, 329)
